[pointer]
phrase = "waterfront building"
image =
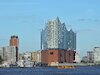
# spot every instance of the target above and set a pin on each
(56, 36)
(57, 43)
(94, 55)
(85, 59)
(96, 51)
(21, 56)
(77, 58)
(21, 60)
(57, 56)
(90, 56)
(25, 59)
(8, 54)
(39, 56)
(36, 56)
(1, 53)
(27, 55)
(14, 41)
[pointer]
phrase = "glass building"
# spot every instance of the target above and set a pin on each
(56, 36)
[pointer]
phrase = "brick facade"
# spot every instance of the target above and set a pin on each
(57, 56)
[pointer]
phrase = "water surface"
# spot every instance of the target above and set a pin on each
(51, 71)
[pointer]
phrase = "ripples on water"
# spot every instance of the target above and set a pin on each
(50, 71)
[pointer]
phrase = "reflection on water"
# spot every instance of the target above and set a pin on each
(50, 71)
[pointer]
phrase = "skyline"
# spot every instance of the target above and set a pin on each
(26, 18)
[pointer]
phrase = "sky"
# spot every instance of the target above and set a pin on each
(26, 18)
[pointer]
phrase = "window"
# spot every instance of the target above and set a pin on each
(51, 53)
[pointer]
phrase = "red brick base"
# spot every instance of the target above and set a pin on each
(57, 56)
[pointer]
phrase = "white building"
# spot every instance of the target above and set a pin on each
(96, 51)
(77, 58)
(27, 55)
(8, 54)
(25, 59)
(85, 59)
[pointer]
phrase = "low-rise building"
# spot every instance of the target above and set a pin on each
(39, 56)
(84, 59)
(36, 56)
(96, 51)
(93, 56)
(77, 57)
(90, 56)
(27, 55)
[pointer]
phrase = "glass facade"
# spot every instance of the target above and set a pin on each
(56, 36)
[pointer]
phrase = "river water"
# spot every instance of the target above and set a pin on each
(51, 71)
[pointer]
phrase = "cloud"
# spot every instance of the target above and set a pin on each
(88, 20)
(81, 19)
(85, 30)
(23, 18)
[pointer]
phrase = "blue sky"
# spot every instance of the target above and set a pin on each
(26, 18)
